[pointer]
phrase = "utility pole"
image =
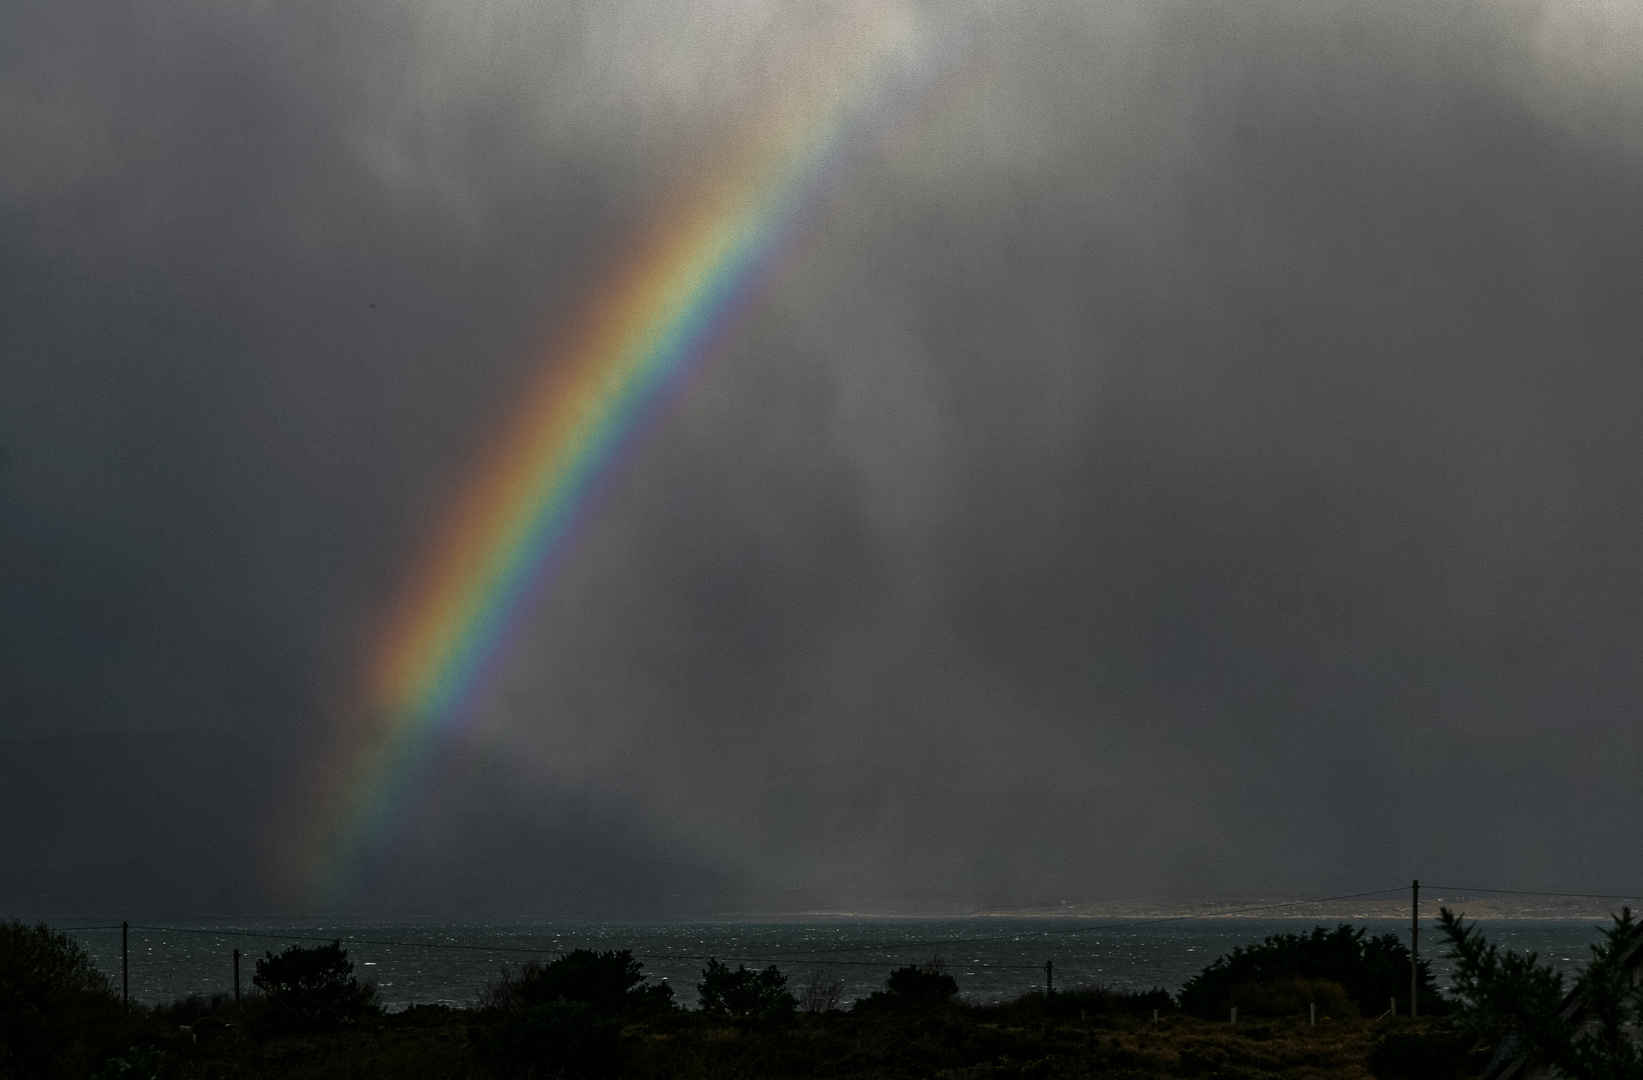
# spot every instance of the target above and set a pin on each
(236, 978)
(1049, 977)
(1414, 946)
(125, 963)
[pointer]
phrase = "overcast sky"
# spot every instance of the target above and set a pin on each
(1195, 451)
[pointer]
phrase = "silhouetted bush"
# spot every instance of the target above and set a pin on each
(1140, 1002)
(608, 982)
(59, 1015)
(1371, 970)
(1426, 1055)
(549, 1039)
(1294, 996)
(917, 986)
(138, 1063)
(196, 1007)
(821, 993)
(422, 1015)
(312, 989)
(923, 982)
(1093, 1001)
(564, 1018)
(744, 994)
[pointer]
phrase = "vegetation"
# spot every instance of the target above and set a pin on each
(59, 1016)
(1287, 973)
(744, 994)
(922, 986)
(595, 1015)
(1014, 1041)
(610, 982)
(822, 993)
(1090, 1001)
(312, 989)
(564, 1018)
(1512, 999)
(1427, 1052)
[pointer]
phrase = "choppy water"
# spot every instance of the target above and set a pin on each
(993, 959)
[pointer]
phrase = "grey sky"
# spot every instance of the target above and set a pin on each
(1195, 452)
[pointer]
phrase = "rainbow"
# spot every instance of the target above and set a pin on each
(657, 320)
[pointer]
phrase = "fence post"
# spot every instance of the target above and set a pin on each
(236, 978)
(1313, 1007)
(125, 963)
(1049, 977)
(1235, 1014)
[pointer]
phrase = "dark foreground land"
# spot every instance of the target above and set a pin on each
(595, 1016)
(957, 1042)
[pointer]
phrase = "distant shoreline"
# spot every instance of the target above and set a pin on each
(1486, 909)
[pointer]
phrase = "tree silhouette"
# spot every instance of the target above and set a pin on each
(743, 993)
(313, 989)
(1513, 999)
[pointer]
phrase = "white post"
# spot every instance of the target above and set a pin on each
(1235, 1014)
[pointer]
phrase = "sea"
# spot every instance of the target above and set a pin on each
(994, 959)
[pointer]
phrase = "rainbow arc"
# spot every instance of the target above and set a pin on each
(658, 319)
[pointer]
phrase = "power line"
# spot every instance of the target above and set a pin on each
(804, 956)
(519, 948)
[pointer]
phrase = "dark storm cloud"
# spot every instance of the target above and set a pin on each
(1194, 453)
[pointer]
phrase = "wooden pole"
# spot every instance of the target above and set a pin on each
(125, 963)
(236, 978)
(1414, 946)
(1313, 1012)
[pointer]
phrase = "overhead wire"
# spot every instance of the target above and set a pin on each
(814, 956)
(823, 954)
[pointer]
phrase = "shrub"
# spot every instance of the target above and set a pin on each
(138, 1063)
(927, 982)
(745, 994)
(821, 993)
(312, 989)
(1294, 997)
(608, 982)
(58, 1012)
(196, 1007)
(1140, 1002)
(917, 986)
(560, 1038)
(1095, 1001)
(1425, 1055)
(1371, 970)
